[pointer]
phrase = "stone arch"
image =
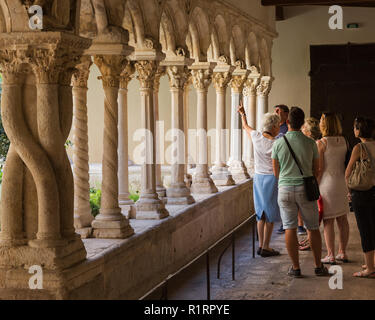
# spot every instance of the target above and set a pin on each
(13, 16)
(252, 51)
(4, 17)
(179, 20)
(151, 18)
(238, 44)
(222, 34)
(192, 41)
(201, 29)
(133, 22)
(167, 37)
(265, 66)
(214, 49)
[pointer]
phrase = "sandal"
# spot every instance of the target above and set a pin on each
(361, 274)
(342, 258)
(304, 245)
(329, 260)
(269, 253)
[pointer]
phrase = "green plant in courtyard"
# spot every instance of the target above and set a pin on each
(95, 201)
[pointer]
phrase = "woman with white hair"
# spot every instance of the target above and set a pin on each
(265, 183)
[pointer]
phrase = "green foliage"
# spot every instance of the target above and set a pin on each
(4, 142)
(96, 197)
(68, 144)
(134, 196)
(95, 200)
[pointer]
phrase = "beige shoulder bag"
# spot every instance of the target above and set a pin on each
(362, 176)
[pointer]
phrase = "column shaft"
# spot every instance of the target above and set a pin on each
(220, 173)
(202, 182)
(149, 206)
(236, 165)
(110, 223)
(178, 193)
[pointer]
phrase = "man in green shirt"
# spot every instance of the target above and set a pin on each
(292, 195)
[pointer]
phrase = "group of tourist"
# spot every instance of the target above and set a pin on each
(291, 148)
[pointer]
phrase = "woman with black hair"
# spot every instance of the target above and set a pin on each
(364, 201)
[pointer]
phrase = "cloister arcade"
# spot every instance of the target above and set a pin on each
(45, 206)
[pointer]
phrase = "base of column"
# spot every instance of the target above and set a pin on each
(42, 253)
(83, 218)
(203, 185)
(188, 180)
(179, 195)
(112, 229)
(111, 224)
(221, 176)
(85, 233)
(128, 210)
(150, 208)
(239, 171)
(161, 191)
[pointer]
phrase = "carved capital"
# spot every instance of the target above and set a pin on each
(264, 88)
(47, 64)
(126, 75)
(250, 87)
(82, 72)
(221, 80)
(237, 83)
(110, 67)
(201, 78)
(11, 66)
(146, 73)
(178, 76)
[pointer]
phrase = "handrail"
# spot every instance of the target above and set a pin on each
(206, 253)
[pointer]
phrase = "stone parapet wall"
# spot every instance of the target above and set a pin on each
(127, 269)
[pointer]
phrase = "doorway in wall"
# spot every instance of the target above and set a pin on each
(343, 81)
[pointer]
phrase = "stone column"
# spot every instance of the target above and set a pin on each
(125, 203)
(220, 172)
(149, 206)
(236, 165)
(37, 206)
(110, 223)
(263, 91)
(188, 177)
(82, 208)
(178, 193)
(160, 189)
(202, 77)
(249, 94)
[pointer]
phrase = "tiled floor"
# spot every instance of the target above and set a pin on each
(265, 278)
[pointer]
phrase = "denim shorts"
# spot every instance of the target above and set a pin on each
(292, 199)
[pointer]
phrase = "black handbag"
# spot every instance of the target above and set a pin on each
(311, 184)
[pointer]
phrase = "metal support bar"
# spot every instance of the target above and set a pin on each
(208, 275)
(233, 256)
(164, 283)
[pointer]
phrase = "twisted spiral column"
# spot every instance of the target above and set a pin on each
(110, 223)
(82, 208)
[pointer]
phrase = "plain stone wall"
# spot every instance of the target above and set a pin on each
(130, 268)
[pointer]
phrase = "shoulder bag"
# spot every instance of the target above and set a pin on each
(311, 184)
(362, 176)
